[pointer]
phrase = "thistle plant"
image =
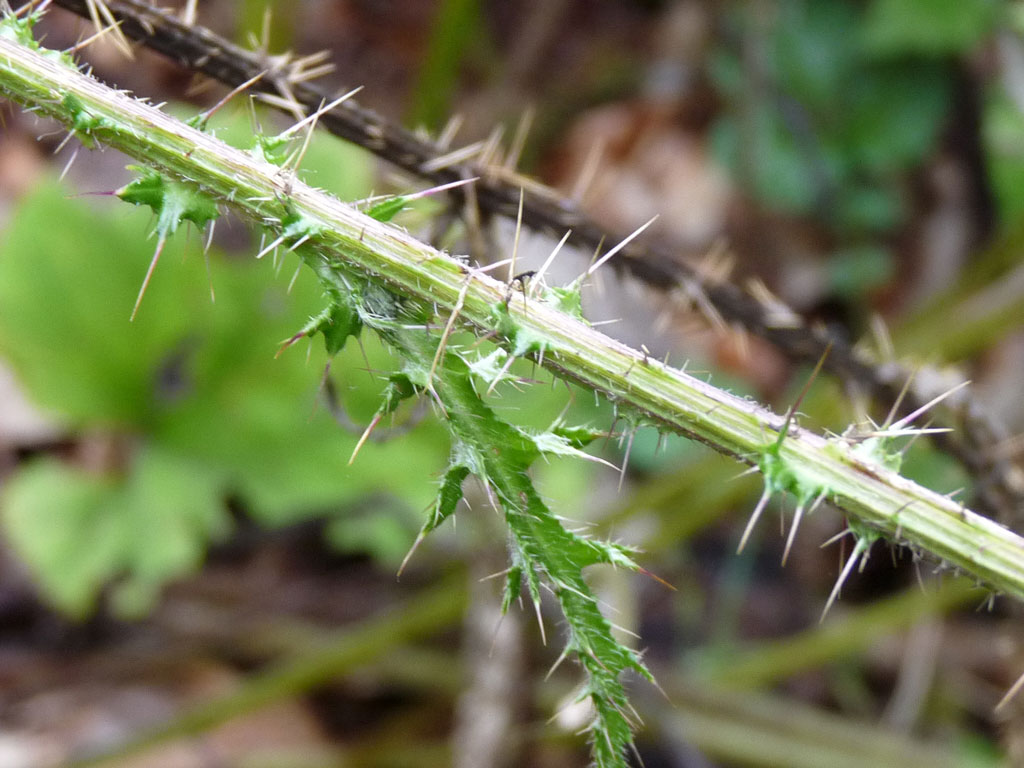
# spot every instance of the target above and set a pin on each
(285, 82)
(376, 277)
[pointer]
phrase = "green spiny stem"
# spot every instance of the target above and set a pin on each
(501, 455)
(877, 497)
(999, 492)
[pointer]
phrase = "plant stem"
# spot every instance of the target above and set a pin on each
(768, 662)
(1000, 492)
(659, 395)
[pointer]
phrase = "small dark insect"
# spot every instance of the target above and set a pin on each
(523, 278)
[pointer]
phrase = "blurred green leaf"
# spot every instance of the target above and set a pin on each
(169, 506)
(926, 27)
(57, 520)
(822, 126)
(865, 209)
(782, 174)
(1003, 135)
(197, 386)
(64, 309)
(379, 531)
(813, 51)
(892, 115)
(854, 271)
(77, 531)
(455, 30)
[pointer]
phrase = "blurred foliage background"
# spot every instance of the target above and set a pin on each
(190, 567)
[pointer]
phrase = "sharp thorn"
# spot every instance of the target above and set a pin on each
(636, 233)
(365, 436)
(540, 622)
(625, 460)
(547, 263)
(792, 532)
(934, 401)
(408, 555)
(767, 494)
(847, 570)
(149, 274)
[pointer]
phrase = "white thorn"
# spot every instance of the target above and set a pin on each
(209, 236)
(597, 264)
(847, 570)
(625, 460)
(767, 494)
(441, 188)
(323, 109)
(547, 263)
(792, 532)
(540, 622)
(1010, 694)
(862, 547)
(270, 247)
(519, 229)
(492, 266)
(149, 274)
(291, 283)
(299, 243)
(501, 374)
(67, 166)
(934, 401)
(188, 13)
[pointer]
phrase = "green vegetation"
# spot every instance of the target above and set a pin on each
(198, 412)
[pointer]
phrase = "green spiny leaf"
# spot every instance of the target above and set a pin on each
(568, 299)
(578, 437)
(386, 210)
(399, 388)
(77, 531)
(336, 323)
(83, 122)
(513, 587)
(448, 496)
(272, 149)
(541, 546)
(297, 228)
(171, 201)
(19, 29)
